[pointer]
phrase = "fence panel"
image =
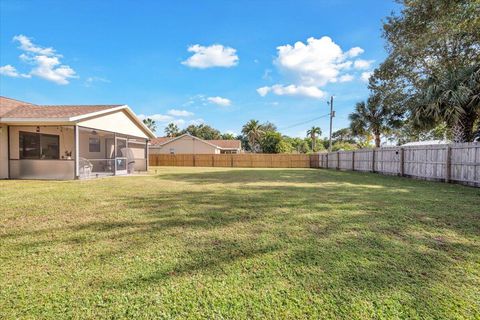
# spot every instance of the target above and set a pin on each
(387, 160)
(428, 162)
(345, 160)
(363, 160)
(465, 163)
(455, 162)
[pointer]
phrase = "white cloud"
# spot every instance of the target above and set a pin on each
(362, 64)
(179, 113)
(45, 61)
(353, 52)
(212, 56)
(317, 62)
(196, 122)
(51, 69)
(263, 91)
(10, 71)
(223, 102)
(27, 45)
(292, 90)
(162, 118)
(91, 80)
(345, 78)
(366, 75)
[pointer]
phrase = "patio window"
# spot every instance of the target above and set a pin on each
(39, 146)
(94, 144)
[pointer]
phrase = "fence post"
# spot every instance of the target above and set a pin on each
(402, 162)
(353, 160)
(194, 162)
(448, 164)
(373, 160)
(338, 160)
(213, 160)
(231, 160)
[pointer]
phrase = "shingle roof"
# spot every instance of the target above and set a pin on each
(49, 112)
(223, 144)
(160, 140)
(11, 108)
(227, 144)
(20, 111)
(9, 104)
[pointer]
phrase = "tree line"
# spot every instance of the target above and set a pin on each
(265, 138)
(429, 85)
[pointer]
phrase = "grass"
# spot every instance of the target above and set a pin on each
(240, 243)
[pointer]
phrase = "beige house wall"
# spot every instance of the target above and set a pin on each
(3, 152)
(119, 122)
(106, 144)
(65, 134)
(186, 145)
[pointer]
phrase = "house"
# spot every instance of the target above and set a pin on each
(70, 142)
(188, 144)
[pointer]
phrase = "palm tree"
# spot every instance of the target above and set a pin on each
(150, 123)
(313, 132)
(453, 98)
(253, 131)
(371, 117)
(171, 130)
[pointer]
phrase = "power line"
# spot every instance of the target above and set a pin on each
(305, 122)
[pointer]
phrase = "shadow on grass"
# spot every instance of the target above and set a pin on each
(325, 229)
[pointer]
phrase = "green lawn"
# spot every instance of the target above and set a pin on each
(240, 243)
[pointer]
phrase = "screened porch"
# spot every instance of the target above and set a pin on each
(104, 153)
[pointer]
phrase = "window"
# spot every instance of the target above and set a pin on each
(38, 146)
(172, 150)
(94, 144)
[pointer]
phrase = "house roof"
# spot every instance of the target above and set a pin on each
(54, 112)
(222, 144)
(160, 140)
(17, 111)
(227, 144)
(9, 104)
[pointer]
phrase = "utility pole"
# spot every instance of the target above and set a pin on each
(332, 114)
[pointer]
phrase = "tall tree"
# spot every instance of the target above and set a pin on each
(313, 132)
(343, 135)
(171, 130)
(228, 136)
(270, 142)
(429, 36)
(452, 97)
(430, 43)
(150, 123)
(202, 131)
(253, 131)
(371, 117)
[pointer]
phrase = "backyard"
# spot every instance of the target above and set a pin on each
(239, 243)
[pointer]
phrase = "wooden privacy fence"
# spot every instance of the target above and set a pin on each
(247, 160)
(450, 163)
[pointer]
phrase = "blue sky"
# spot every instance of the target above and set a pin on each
(217, 62)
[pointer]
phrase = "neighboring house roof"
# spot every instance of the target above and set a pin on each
(221, 144)
(227, 144)
(16, 111)
(160, 140)
(425, 143)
